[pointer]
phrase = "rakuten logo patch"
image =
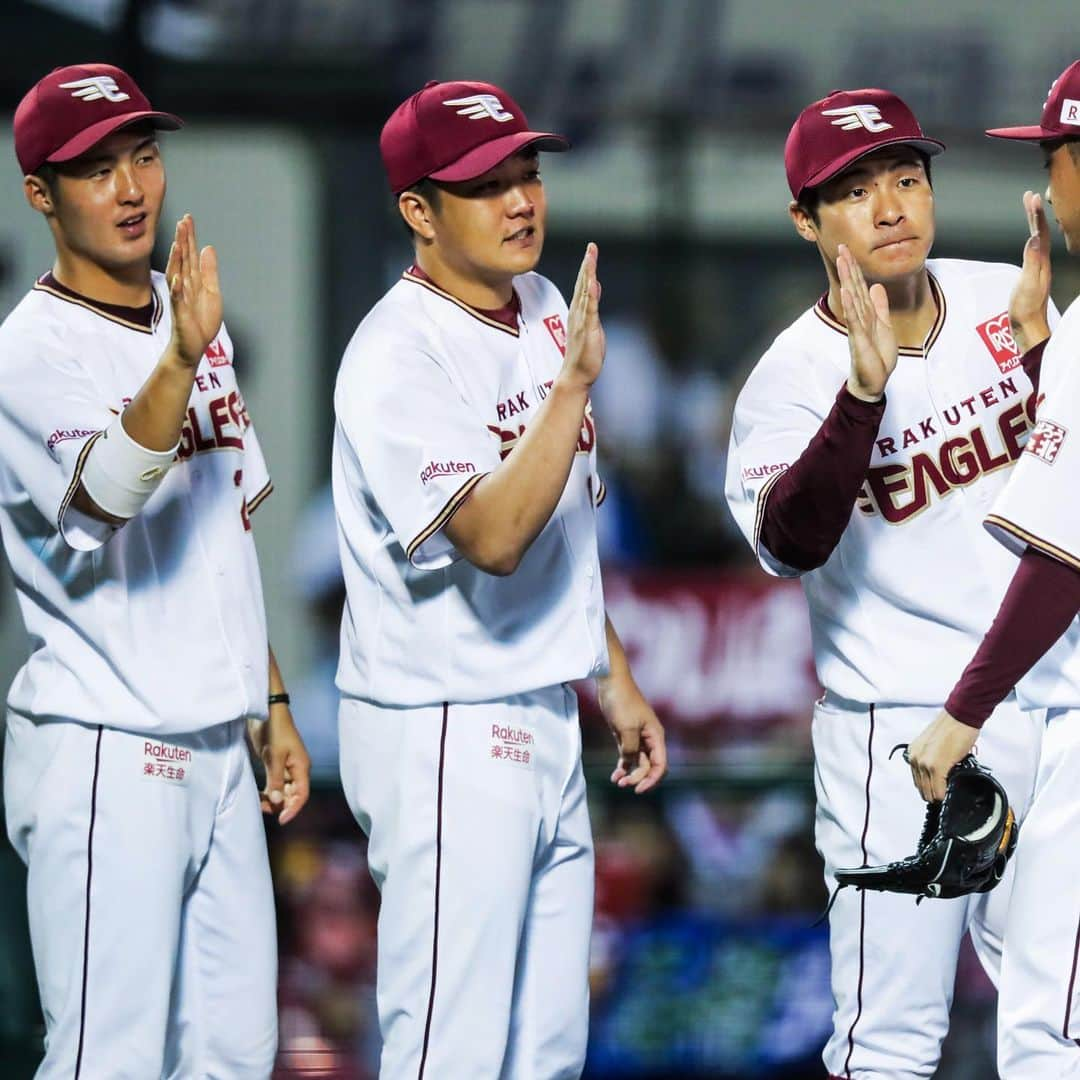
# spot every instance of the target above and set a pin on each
(445, 468)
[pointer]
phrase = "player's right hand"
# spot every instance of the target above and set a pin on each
(192, 278)
(1031, 293)
(870, 334)
(584, 334)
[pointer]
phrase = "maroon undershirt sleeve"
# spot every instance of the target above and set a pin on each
(1041, 602)
(1032, 362)
(809, 507)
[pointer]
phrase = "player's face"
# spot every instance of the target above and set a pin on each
(1063, 192)
(882, 208)
(491, 228)
(108, 201)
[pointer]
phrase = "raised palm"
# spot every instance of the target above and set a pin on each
(871, 338)
(585, 343)
(194, 292)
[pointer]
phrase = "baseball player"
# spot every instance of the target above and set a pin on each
(1036, 517)
(464, 478)
(866, 446)
(128, 473)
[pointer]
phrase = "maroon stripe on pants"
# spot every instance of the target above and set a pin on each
(1072, 983)
(862, 897)
(86, 923)
(438, 875)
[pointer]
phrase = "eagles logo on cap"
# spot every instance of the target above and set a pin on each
(456, 131)
(73, 108)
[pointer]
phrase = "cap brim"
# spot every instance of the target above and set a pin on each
(91, 136)
(834, 168)
(488, 155)
(1024, 134)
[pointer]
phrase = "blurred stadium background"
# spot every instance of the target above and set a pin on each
(706, 962)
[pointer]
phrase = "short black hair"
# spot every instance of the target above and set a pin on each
(1049, 146)
(810, 200)
(49, 175)
(426, 189)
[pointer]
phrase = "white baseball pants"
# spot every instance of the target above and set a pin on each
(151, 908)
(1039, 994)
(894, 962)
(479, 842)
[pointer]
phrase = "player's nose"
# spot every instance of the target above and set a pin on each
(128, 188)
(518, 200)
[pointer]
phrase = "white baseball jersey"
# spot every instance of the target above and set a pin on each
(913, 575)
(431, 396)
(159, 626)
(1039, 507)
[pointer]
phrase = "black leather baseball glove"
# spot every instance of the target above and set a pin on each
(966, 843)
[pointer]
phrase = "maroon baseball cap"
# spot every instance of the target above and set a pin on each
(1061, 113)
(456, 131)
(844, 126)
(74, 108)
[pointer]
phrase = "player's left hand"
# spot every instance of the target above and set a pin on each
(288, 767)
(1031, 293)
(638, 733)
(942, 743)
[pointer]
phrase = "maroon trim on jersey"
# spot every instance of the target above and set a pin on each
(76, 479)
(143, 319)
(1037, 542)
(1069, 993)
(86, 917)
(1032, 362)
(259, 497)
(444, 515)
(862, 900)
(504, 318)
(1041, 602)
(438, 882)
(804, 510)
(824, 313)
(601, 493)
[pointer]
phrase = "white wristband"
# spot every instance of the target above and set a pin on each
(120, 475)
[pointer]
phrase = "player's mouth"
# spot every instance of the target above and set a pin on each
(525, 237)
(134, 226)
(897, 244)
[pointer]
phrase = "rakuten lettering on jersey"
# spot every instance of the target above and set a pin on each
(519, 404)
(901, 490)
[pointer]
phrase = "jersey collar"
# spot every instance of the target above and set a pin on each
(504, 318)
(143, 319)
(824, 313)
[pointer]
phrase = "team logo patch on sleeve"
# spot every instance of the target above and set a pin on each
(557, 331)
(1046, 441)
(215, 353)
(997, 336)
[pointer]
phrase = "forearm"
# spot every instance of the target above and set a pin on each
(155, 417)
(1038, 607)
(809, 507)
(277, 683)
(510, 506)
(153, 421)
(618, 665)
(1032, 361)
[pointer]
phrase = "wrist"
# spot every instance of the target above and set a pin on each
(572, 383)
(1029, 334)
(863, 393)
(281, 697)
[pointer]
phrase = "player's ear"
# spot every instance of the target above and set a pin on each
(418, 215)
(38, 195)
(804, 223)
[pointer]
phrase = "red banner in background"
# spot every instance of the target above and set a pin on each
(720, 656)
